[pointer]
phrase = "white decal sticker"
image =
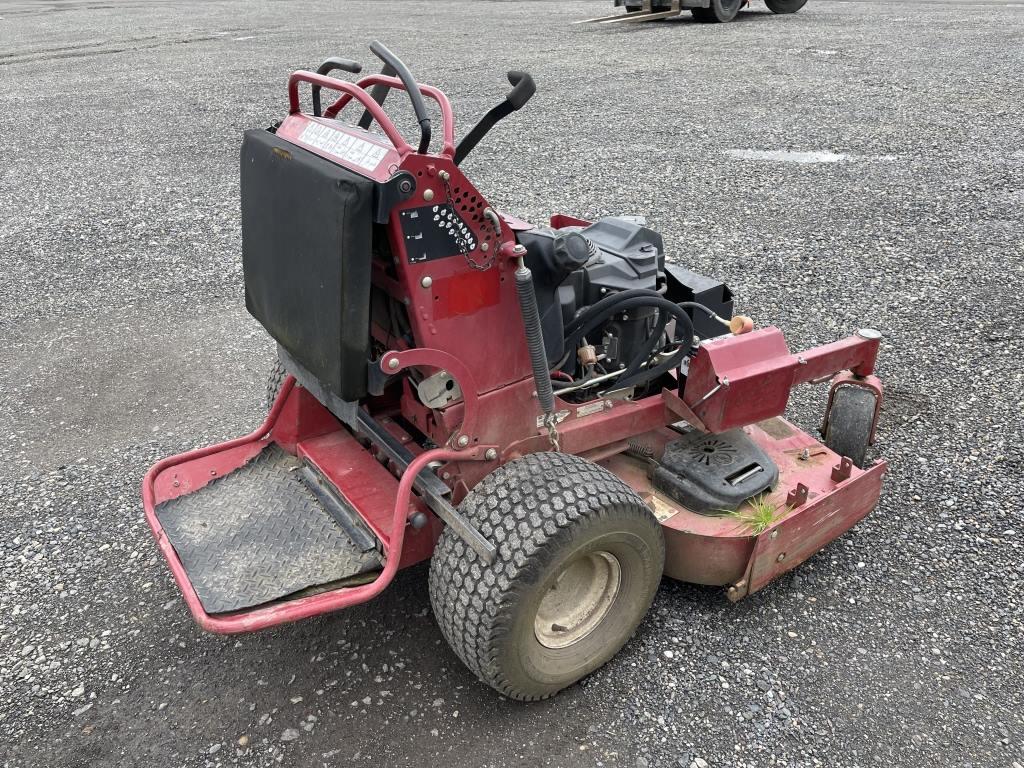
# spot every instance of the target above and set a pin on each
(352, 149)
(586, 410)
(662, 510)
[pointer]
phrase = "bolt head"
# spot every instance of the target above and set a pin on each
(428, 195)
(426, 281)
(393, 363)
(781, 557)
(491, 454)
(463, 441)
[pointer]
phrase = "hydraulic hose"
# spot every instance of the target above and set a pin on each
(598, 314)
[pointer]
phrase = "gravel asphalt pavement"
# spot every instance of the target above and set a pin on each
(858, 163)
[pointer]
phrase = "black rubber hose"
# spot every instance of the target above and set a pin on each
(534, 338)
(650, 374)
(608, 301)
(615, 298)
(599, 313)
(593, 319)
(647, 351)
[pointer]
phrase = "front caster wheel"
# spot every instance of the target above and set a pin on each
(849, 423)
(579, 560)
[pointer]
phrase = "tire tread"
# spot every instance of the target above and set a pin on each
(525, 507)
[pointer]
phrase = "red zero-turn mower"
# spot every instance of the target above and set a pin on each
(553, 415)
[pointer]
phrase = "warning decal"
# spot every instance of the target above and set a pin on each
(352, 149)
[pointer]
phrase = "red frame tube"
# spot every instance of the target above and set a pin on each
(447, 116)
(352, 90)
(854, 353)
(301, 608)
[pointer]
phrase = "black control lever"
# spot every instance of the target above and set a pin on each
(326, 68)
(523, 88)
(378, 93)
(418, 107)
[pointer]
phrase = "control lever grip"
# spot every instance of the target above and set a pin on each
(326, 68)
(523, 89)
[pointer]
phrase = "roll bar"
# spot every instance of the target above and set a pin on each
(396, 75)
(432, 93)
(351, 90)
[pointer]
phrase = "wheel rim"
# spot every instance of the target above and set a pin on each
(578, 600)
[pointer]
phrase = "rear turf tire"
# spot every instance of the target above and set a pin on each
(785, 6)
(579, 561)
(720, 11)
(849, 423)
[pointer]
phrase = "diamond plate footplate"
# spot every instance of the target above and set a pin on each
(258, 534)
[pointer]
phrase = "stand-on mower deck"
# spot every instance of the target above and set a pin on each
(554, 415)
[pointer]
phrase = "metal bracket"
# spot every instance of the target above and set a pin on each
(797, 496)
(842, 470)
(431, 488)
(676, 405)
(439, 390)
(394, 361)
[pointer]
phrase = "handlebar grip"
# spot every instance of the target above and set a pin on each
(523, 89)
(326, 68)
(415, 96)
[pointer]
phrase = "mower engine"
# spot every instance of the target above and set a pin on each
(585, 278)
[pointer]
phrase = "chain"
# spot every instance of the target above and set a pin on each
(461, 242)
(550, 421)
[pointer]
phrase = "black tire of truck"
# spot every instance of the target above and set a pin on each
(785, 6)
(720, 11)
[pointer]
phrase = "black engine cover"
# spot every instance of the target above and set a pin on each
(575, 267)
(712, 474)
